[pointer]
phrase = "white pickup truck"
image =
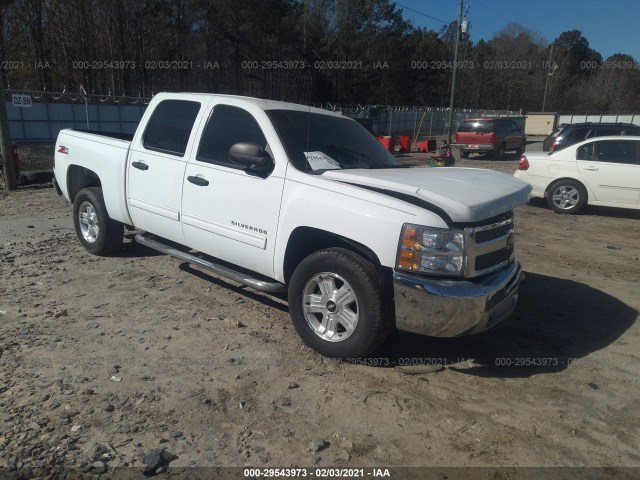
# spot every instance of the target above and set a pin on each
(283, 197)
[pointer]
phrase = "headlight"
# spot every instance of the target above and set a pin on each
(431, 250)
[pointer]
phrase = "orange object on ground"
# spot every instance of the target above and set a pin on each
(387, 142)
(427, 146)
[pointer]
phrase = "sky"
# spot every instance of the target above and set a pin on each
(611, 26)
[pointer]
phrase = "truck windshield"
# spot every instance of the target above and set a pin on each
(316, 143)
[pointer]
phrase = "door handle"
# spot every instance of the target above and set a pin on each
(591, 168)
(200, 181)
(140, 165)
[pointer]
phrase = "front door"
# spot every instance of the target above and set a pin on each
(228, 212)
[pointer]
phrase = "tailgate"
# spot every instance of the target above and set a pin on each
(476, 138)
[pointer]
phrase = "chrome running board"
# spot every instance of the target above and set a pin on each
(243, 278)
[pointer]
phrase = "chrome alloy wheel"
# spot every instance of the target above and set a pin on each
(565, 197)
(330, 307)
(88, 222)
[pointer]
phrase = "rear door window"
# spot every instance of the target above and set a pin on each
(575, 135)
(170, 125)
(617, 151)
(585, 152)
(604, 131)
(501, 129)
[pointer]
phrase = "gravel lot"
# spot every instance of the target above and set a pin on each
(104, 360)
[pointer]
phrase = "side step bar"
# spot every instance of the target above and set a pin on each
(271, 287)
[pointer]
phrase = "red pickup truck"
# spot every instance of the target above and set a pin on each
(489, 135)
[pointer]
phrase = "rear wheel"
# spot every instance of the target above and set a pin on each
(498, 153)
(464, 154)
(566, 196)
(98, 233)
(335, 303)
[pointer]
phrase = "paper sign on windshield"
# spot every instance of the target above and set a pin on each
(321, 161)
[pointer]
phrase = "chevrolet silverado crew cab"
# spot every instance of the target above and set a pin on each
(283, 197)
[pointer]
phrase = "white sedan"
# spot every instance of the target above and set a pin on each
(599, 171)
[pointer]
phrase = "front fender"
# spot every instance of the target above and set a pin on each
(353, 213)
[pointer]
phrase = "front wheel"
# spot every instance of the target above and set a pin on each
(335, 303)
(464, 153)
(566, 196)
(98, 233)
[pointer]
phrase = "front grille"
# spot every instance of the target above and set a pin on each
(489, 245)
(488, 260)
(487, 235)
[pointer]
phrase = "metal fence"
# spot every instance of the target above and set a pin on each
(35, 118)
(600, 118)
(420, 122)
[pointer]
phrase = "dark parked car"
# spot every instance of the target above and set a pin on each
(489, 135)
(546, 144)
(577, 132)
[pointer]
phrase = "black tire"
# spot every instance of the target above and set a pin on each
(498, 153)
(108, 236)
(464, 154)
(362, 277)
(566, 196)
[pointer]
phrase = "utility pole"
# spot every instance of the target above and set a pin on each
(5, 144)
(453, 76)
(546, 84)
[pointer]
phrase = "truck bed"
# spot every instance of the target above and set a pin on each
(103, 154)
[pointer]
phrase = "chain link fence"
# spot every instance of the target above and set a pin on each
(35, 118)
(418, 122)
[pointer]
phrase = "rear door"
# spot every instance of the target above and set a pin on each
(228, 212)
(156, 167)
(611, 169)
(515, 135)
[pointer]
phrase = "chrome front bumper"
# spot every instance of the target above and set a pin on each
(449, 308)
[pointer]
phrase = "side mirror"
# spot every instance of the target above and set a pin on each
(250, 156)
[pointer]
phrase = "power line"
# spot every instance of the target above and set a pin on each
(436, 19)
(421, 13)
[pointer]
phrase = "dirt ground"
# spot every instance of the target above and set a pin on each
(103, 360)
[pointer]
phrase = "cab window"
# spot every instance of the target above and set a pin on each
(170, 125)
(227, 126)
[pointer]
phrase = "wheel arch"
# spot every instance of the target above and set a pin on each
(80, 177)
(303, 241)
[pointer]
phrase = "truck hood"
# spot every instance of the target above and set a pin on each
(467, 195)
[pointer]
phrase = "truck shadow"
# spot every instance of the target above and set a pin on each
(557, 322)
(273, 300)
(132, 249)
